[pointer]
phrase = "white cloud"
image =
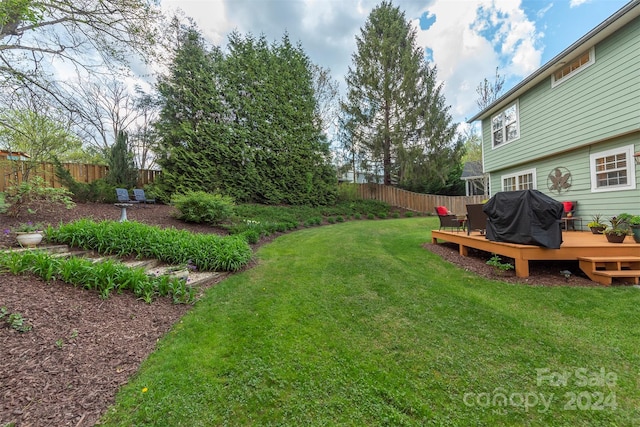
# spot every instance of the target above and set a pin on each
(469, 42)
(576, 3)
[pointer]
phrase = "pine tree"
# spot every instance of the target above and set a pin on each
(122, 167)
(397, 111)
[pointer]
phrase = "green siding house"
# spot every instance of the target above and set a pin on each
(572, 128)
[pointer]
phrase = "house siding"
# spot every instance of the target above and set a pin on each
(577, 162)
(595, 105)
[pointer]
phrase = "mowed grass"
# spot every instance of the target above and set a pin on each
(356, 324)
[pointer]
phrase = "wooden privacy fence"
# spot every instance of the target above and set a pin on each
(12, 173)
(417, 202)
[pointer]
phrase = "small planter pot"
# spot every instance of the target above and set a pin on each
(597, 230)
(635, 229)
(614, 238)
(29, 239)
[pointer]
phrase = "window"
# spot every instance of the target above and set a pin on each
(505, 126)
(523, 180)
(573, 67)
(613, 170)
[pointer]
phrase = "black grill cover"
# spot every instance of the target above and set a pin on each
(528, 217)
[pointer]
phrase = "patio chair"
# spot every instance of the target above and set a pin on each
(448, 219)
(569, 215)
(139, 195)
(476, 218)
(123, 196)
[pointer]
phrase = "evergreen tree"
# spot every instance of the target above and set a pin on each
(243, 123)
(271, 91)
(401, 118)
(122, 167)
(192, 123)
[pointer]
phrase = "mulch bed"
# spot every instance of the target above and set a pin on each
(67, 370)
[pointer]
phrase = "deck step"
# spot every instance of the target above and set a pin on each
(609, 258)
(603, 270)
(627, 276)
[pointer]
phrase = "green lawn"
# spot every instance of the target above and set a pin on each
(356, 324)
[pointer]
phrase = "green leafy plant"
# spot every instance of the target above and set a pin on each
(203, 208)
(496, 262)
(28, 227)
(30, 196)
(596, 221)
(14, 320)
(104, 277)
(618, 225)
(208, 252)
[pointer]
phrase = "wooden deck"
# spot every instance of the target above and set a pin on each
(576, 244)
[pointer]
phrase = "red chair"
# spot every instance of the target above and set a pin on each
(568, 215)
(448, 219)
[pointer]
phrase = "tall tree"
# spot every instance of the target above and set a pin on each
(243, 123)
(144, 138)
(122, 168)
(276, 120)
(400, 112)
(489, 91)
(103, 107)
(86, 34)
(327, 94)
(193, 121)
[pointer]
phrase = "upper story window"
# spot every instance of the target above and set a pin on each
(505, 126)
(522, 180)
(613, 170)
(573, 67)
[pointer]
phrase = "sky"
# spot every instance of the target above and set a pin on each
(465, 39)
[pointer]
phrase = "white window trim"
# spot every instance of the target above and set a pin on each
(517, 105)
(631, 170)
(592, 60)
(518, 174)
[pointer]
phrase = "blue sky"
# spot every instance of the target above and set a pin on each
(465, 39)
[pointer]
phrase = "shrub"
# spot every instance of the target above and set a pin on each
(370, 216)
(408, 214)
(382, 215)
(347, 192)
(32, 195)
(331, 220)
(203, 208)
(339, 218)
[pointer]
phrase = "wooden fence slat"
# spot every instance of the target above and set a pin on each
(12, 171)
(417, 202)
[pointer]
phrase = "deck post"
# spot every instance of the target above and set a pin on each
(464, 250)
(522, 267)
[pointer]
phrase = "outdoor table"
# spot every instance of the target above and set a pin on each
(123, 210)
